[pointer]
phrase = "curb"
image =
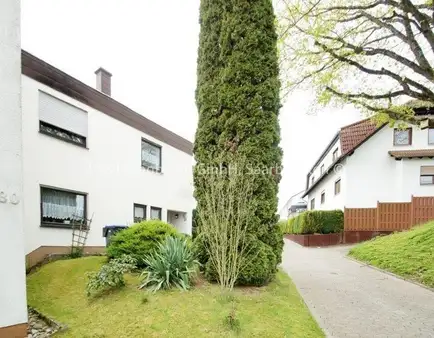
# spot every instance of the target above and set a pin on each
(389, 273)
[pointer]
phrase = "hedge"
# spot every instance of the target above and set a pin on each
(315, 222)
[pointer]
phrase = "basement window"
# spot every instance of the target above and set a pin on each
(427, 175)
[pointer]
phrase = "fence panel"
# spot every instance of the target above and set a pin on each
(390, 216)
(394, 216)
(423, 209)
(360, 219)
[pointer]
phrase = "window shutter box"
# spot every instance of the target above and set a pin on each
(427, 170)
(61, 114)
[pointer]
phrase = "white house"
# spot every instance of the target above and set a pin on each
(365, 163)
(13, 307)
(85, 155)
(295, 205)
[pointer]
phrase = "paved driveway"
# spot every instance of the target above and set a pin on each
(349, 299)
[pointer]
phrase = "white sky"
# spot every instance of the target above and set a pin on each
(150, 47)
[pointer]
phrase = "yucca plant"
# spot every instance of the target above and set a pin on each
(172, 264)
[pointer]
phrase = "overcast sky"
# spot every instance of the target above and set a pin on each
(150, 47)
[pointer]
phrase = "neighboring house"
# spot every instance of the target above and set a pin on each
(295, 205)
(85, 155)
(365, 163)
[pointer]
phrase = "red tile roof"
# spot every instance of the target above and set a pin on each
(354, 134)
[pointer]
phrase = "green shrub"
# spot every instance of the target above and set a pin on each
(316, 221)
(172, 264)
(260, 265)
(110, 276)
(140, 240)
(283, 225)
(200, 250)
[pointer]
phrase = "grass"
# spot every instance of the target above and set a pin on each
(409, 254)
(58, 290)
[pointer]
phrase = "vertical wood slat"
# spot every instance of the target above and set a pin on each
(390, 216)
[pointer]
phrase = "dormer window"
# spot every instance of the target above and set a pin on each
(312, 180)
(322, 169)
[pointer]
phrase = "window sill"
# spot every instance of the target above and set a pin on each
(62, 139)
(152, 170)
(57, 226)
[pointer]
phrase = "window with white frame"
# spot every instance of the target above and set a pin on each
(312, 204)
(322, 169)
(139, 213)
(62, 207)
(62, 120)
(427, 175)
(151, 155)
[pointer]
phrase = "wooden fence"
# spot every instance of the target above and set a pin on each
(390, 216)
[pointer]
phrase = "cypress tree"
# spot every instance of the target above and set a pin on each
(238, 103)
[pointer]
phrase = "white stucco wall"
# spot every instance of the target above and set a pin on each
(372, 175)
(109, 171)
(13, 308)
(327, 185)
(326, 161)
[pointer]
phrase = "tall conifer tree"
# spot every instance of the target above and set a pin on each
(238, 103)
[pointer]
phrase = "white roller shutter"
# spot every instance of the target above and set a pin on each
(62, 114)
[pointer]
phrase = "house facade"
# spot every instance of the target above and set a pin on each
(366, 163)
(88, 157)
(294, 206)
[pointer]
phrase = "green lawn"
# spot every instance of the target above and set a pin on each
(409, 254)
(58, 290)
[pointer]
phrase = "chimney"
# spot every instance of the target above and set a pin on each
(103, 81)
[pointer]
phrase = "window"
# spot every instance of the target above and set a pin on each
(322, 169)
(335, 155)
(402, 137)
(48, 129)
(427, 175)
(338, 187)
(323, 197)
(312, 204)
(155, 213)
(151, 155)
(62, 207)
(431, 136)
(62, 120)
(312, 180)
(139, 212)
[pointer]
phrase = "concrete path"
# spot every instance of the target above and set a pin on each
(349, 299)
